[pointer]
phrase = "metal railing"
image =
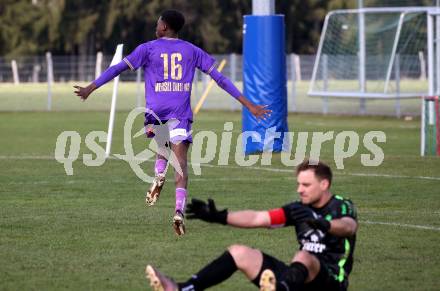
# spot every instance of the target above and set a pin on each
(32, 73)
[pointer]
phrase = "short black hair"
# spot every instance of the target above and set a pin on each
(321, 170)
(174, 19)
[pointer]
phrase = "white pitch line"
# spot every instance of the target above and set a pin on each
(336, 173)
(237, 179)
(391, 176)
(426, 227)
(277, 170)
(27, 158)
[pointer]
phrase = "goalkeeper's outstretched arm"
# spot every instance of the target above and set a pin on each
(208, 212)
(290, 214)
(108, 75)
(249, 219)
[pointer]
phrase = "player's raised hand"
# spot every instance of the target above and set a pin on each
(84, 92)
(199, 209)
(260, 111)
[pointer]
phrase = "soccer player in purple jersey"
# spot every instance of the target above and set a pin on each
(169, 64)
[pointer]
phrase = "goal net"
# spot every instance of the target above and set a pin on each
(372, 53)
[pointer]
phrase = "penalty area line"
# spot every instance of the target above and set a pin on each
(335, 172)
(277, 170)
(403, 225)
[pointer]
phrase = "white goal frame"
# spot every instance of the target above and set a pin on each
(433, 61)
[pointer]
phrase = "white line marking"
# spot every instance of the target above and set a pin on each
(291, 170)
(404, 225)
(390, 176)
(426, 227)
(237, 179)
(335, 172)
(27, 158)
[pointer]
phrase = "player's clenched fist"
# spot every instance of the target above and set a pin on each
(199, 209)
(300, 213)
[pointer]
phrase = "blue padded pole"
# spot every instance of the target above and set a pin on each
(264, 81)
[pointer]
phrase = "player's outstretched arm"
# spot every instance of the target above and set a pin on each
(259, 111)
(199, 209)
(108, 75)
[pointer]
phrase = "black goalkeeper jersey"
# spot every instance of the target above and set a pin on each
(334, 253)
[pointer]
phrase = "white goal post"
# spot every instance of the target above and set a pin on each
(116, 59)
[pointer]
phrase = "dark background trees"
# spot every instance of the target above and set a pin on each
(83, 27)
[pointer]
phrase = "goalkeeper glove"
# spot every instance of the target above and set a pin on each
(300, 213)
(198, 209)
(320, 223)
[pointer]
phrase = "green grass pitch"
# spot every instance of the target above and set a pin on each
(92, 231)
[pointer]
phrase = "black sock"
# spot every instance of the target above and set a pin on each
(214, 273)
(294, 278)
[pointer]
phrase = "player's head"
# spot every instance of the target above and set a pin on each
(314, 180)
(170, 22)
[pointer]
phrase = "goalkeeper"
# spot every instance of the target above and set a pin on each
(325, 227)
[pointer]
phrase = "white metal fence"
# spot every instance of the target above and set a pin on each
(32, 72)
(83, 68)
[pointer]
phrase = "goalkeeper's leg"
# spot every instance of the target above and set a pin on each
(158, 281)
(237, 257)
(301, 273)
(251, 262)
(214, 273)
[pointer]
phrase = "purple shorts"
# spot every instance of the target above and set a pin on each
(172, 130)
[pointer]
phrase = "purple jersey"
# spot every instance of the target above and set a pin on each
(169, 65)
